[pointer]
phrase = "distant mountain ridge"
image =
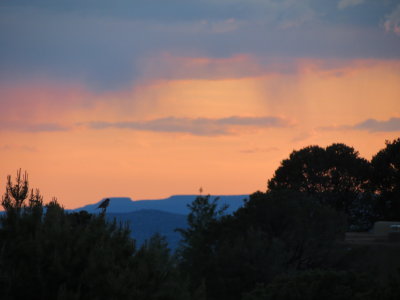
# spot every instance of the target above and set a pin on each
(163, 216)
(176, 204)
(147, 222)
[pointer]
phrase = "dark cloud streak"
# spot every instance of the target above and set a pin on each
(197, 126)
(103, 44)
(370, 125)
(37, 127)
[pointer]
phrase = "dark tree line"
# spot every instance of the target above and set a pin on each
(284, 243)
(47, 253)
(366, 191)
(288, 242)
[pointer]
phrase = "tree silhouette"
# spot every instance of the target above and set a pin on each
(335, 175)
(47, 253)
(194, 251)
(318, 284)
(274, 232)
(16, 194)
(386, 180)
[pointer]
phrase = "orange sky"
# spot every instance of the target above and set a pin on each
(47, 127)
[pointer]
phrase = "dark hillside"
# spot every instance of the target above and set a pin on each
(145, 223)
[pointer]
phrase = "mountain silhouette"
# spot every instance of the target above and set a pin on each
(145, 223)
(175, 204)
(163, 216)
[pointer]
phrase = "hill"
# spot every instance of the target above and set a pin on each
(175, 204)
(147, 217)
(144, 223)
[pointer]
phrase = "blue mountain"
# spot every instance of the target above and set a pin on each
(174, 204)
(163, 216)
(147, 222)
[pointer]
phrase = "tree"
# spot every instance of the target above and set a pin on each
(386, 180)
(156, 272)
(335, 175)
(273, 233)
(194, 250)
(48, 253)
(318, 284)
(308, 229)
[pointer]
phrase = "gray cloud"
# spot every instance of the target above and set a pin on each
(102, 44)
(173, 9)
(24, 148)
(392, 21)
(371, 125)
(26, 127)
(347, 3)
(259, 150)
(197, 126)
(393, 124)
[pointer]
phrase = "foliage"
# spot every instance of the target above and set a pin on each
(307, 228)
(46, 253)
(194, 250)
(286, 243)
(156, 275)
(316, 285)
(203, 212)
(386, 180)
(335, 175)
(273, 233)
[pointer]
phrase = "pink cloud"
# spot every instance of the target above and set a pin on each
(46, 105)
(392, 21)
(175, 67)
(39, 99)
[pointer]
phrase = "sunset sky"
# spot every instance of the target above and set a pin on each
(149, 98)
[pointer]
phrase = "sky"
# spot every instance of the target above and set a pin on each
(150, 98)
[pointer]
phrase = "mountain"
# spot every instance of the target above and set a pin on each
(147, 217)
(175, 204)
(145, 223)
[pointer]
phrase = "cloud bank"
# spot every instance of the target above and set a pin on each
(197, 126)
(392, 21)
(103, 45)
(370, 125)
(31, 127)
(347, 3)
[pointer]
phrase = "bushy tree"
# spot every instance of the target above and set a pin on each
(386, 180)
(156, 274)
(308, 229)
(316, 285)
(273, 233)
(335, 175)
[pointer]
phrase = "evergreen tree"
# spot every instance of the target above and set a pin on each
(194, 251)
(47, 253)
